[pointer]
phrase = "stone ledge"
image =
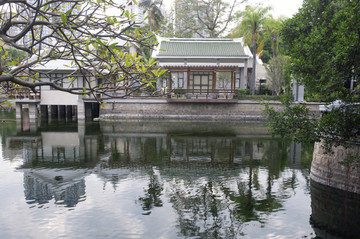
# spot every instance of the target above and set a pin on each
(112, 117)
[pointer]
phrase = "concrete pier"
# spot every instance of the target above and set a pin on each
(33, 112)
(32, 105)
(337, 170)
(19, 112)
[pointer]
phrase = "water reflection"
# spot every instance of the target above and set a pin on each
(223, 180)
(335, 213)
(41, 186)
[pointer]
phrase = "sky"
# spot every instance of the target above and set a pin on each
(284, 8)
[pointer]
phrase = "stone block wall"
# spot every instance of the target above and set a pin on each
(161, 109)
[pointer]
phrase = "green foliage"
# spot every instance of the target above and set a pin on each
(10, 57)
(294, 122)
(277, 74)
(250, 29)
(338, 127)
(207, 18)
(97, 45)
(266, 53)
(152, 9)
(324, 45)
(272, 28)
(243, 91)
(260, 98)
(252, 20)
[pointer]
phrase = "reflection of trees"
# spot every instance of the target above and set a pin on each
(218, 208)
(203, 211)
(152, 197)
(247, 206)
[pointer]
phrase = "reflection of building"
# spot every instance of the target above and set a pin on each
(165, 144)
(66, 187)
(55, 164)
(61, 149)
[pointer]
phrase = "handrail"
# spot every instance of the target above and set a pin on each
(25, 94)
(211, 92)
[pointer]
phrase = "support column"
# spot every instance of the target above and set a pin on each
(19, 112)
(62, 112)
(19, 126)
(33, 126)
(243, 78)
(169, 82)
(75, 111)
(188, 78)
(33, 112)
(81, 110)
(234, 73)
(246, 73)
(232, 81)
(214, 82)
(81, 132)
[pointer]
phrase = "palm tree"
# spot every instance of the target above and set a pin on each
(153, 11)
(250, 28)
(272, 28)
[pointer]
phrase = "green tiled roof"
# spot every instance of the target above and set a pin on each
(201, 49)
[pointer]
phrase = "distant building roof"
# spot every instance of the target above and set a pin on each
(201, 48)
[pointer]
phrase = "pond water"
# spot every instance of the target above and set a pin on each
(144, 179)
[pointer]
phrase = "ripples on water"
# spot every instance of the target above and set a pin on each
(157, 180)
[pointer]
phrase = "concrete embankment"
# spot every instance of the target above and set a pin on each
(339, 170)
(161, 109)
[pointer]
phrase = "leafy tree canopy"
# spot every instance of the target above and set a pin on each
(324, 45)
(203, 18)
(323, 42)
(94, 37)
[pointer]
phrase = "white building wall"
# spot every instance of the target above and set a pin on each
(54, 97)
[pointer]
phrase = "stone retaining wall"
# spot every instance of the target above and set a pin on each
(161, 109)
(326, 169)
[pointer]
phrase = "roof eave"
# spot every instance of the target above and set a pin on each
(201, 57)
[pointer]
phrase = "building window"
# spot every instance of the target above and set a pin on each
(201, 81)
(57, 78)
(177, 79)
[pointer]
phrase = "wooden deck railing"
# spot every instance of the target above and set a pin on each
(214, 94)
(21, 94)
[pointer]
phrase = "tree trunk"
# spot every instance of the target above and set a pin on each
(274, 46)
(253, 75)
